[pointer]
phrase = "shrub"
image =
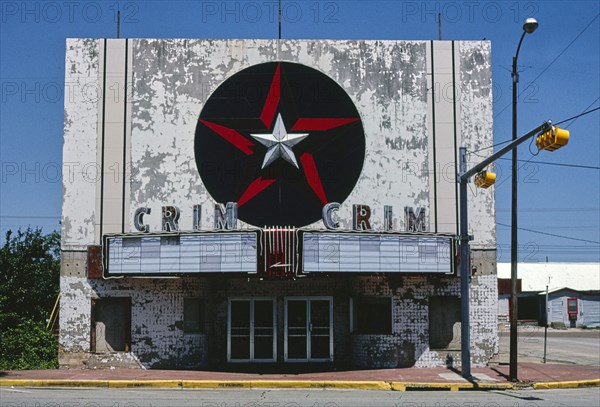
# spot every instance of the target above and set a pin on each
(26, 345)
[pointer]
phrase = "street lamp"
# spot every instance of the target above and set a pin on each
(529, 26)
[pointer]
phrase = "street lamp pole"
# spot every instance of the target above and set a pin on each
(465, 272)
(529, 26)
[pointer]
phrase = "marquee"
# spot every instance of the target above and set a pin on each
(276, 252)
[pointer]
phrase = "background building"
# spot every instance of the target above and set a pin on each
(573, 293)
(158, 132)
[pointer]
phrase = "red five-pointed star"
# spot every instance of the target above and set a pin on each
(302, 124)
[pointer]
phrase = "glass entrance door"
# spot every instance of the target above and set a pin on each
(320, 330)
(297, 330)
(308, 329)
(251, 330)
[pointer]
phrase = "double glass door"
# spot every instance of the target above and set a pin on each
(308, 329)
(251, 330)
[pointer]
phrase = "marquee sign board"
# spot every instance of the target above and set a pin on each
(376, 253)
(274, 253)
(185, 253)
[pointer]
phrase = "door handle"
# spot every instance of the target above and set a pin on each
(310, 327)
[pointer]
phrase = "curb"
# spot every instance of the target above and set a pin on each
(201, 384)
(293, 384)
(407, 386)
(573, 384)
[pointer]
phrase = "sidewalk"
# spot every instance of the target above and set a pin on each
(531, 375)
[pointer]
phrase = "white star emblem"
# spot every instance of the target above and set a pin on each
(279, 143)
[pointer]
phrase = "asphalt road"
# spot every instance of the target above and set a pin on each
(574, 346)
(87, 397)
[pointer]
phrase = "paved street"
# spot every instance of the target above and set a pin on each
(572, 355)
(573, 346)
(41, 397)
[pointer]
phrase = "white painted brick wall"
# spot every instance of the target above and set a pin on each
(157, 316)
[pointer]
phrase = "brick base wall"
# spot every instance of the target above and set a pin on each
(158, 340)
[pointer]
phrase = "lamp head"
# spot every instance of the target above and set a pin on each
(530, 25)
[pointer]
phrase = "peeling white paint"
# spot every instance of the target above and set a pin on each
(80, 170)
(172, 80)
(477, 130)
(389, 90)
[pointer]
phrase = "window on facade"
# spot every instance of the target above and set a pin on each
(193, 315)
(372, 315)
(444, 323)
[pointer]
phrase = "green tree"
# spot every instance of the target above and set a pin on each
(29, 284)
(27, 345)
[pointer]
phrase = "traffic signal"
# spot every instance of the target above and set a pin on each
(485, 179)
(552, 139)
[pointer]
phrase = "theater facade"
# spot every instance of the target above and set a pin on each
(272, 203)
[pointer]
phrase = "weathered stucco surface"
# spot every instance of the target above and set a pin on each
(173, 79)
(80, 170)
(477, 129)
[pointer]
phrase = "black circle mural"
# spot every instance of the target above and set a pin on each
(282, 140)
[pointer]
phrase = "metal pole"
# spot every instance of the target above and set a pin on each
(514, 224)
(279, 20)
(464, 238)
(119, 23)
(465, 274)
(545, 126)
(546, 325)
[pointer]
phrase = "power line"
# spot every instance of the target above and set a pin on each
(551, 63)
(534, 155)
(587, 167)
(29, 217)
(550, 234)
(579, 115)
(518, 169)
(492, 146)
(574, 118)
(580, 227)
(540, 210)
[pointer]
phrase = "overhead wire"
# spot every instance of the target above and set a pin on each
(587, 167)
(574, 118)
(546, 210)
(29, 217)
(585, 112)
(550, 234)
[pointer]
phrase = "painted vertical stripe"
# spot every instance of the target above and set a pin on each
(456, 198)
(435, 197)
(124, 136)
(102, 143)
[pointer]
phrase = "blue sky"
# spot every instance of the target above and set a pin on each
(560, 78)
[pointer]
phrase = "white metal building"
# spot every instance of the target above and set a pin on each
(573, 293)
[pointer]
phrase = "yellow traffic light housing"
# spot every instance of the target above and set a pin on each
(552, 139)
(485, 179)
